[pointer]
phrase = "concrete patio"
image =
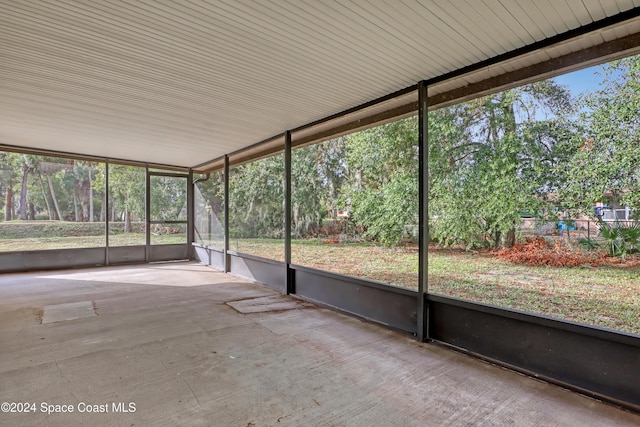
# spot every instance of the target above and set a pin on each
(181, 344)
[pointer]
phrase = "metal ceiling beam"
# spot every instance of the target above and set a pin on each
(540, 45)
(605, 52)
(72, 156)
(595, 55)
(373, 120)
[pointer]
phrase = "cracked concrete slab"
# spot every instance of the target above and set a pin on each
(68, 311)
(186, 357)
(265, 304)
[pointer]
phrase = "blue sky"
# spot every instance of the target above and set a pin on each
(578, 82)
(582, 80)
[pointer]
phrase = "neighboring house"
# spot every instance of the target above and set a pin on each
(615, 213)
(610, 211)
(614, 210)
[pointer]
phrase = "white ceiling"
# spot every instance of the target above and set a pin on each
(183, 82)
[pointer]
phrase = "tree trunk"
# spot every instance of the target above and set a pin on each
(509, 239)
(53, 196)
(76, 211)
(32, 212)
(127, 221)
(85, 212)
(90, 194)
(217, 208)
(45, 196)
(23, 192)
(103, 208)
(8, 205)
(249, 211)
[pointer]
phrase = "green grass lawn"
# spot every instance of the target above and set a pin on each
(42, 235)
(607, 296)
(71, 242)
(604, 296)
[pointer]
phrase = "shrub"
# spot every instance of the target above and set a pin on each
(621, 240)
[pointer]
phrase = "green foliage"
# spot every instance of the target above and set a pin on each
(386, 211)
(588, 244)
(256, 199)
(490, 159)
(382, 195)
(318, 173)
(209, 208)
(54, 188)
(127, 194)
(607, 151)
(211, 191)
(306, 190)
(372, 175)
(168, 198)
(48, 229)
(621, 239)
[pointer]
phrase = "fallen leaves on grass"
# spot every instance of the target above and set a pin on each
(538, 251)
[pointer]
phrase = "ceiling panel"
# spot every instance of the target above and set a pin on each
(183, 82)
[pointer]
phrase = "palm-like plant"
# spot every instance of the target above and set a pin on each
(610, 233)
(631, 237)
(621, 239)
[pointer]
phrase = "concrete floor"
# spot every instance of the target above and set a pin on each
(190, 346)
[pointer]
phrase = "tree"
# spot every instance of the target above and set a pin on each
(318, 173)
(127, 193)
(90, 170)
(81, 176)
(49, 169)
(333, 172)
(382, 191)
(607, 152)
(44, 196)
(256, 198)
(209, 206)
(491, 158)
(28, 165)
(168, 198)
(307, 190)
(9, 166)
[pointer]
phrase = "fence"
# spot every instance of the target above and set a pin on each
(571, 230)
